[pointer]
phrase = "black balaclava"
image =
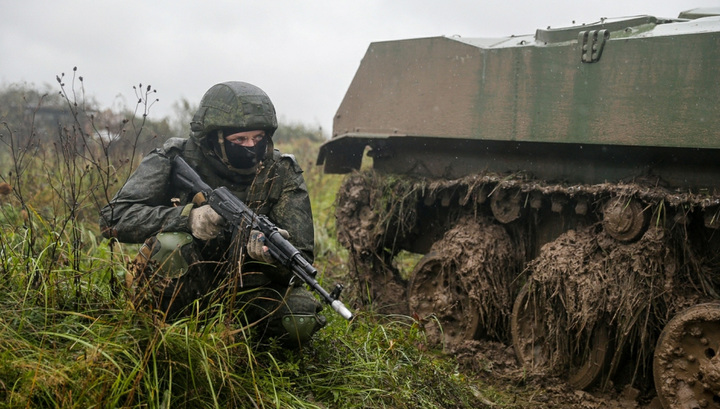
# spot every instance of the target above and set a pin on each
(238, 156)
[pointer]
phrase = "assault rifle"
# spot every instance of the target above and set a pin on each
(235, 212)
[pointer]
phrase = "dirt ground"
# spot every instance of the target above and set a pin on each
(495, 364)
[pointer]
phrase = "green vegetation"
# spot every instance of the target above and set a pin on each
(70, 339)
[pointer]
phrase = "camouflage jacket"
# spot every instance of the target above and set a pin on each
(144, 205)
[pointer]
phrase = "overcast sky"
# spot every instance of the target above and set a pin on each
(303, 53)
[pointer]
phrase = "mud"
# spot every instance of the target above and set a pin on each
(581, 279)
(479, 268)
(476, 185)
(367, 218)
(495, 366)
(686, 365)
(585, 279)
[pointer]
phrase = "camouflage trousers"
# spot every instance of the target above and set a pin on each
(170, 278)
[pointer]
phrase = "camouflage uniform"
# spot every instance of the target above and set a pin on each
(150, 204)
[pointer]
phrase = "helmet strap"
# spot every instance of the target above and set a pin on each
(221, 144)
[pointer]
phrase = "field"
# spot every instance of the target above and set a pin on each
(70, 338)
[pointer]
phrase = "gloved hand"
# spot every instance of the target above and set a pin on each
(205, 223)
(257, 249)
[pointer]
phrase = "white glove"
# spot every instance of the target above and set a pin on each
(257, 249)
(205, 223)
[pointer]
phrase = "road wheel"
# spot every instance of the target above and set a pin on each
(437, 295)
(529, 335)
(686, 364)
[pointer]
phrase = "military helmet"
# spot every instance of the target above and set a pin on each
(236, 105)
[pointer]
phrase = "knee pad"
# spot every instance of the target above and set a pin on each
(300, 318)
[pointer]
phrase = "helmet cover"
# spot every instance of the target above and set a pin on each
(234, 105)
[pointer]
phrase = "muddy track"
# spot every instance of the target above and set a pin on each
(616, 259)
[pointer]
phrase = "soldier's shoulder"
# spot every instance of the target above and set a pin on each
(288, 159)
(174, 145)
(170, 148)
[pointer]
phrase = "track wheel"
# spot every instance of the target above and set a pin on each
(438, 297)
(529, 336)
(686, 365)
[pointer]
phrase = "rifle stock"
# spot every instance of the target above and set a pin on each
(235, 212)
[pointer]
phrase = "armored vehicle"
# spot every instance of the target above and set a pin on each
(561, 189)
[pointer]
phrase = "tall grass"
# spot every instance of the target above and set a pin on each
(69, 337)
(113, 358)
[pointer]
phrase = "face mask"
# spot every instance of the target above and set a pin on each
(245, 157)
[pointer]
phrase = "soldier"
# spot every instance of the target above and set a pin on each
(189, 260)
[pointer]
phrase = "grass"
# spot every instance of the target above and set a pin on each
(69, 339)
(116, 358)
